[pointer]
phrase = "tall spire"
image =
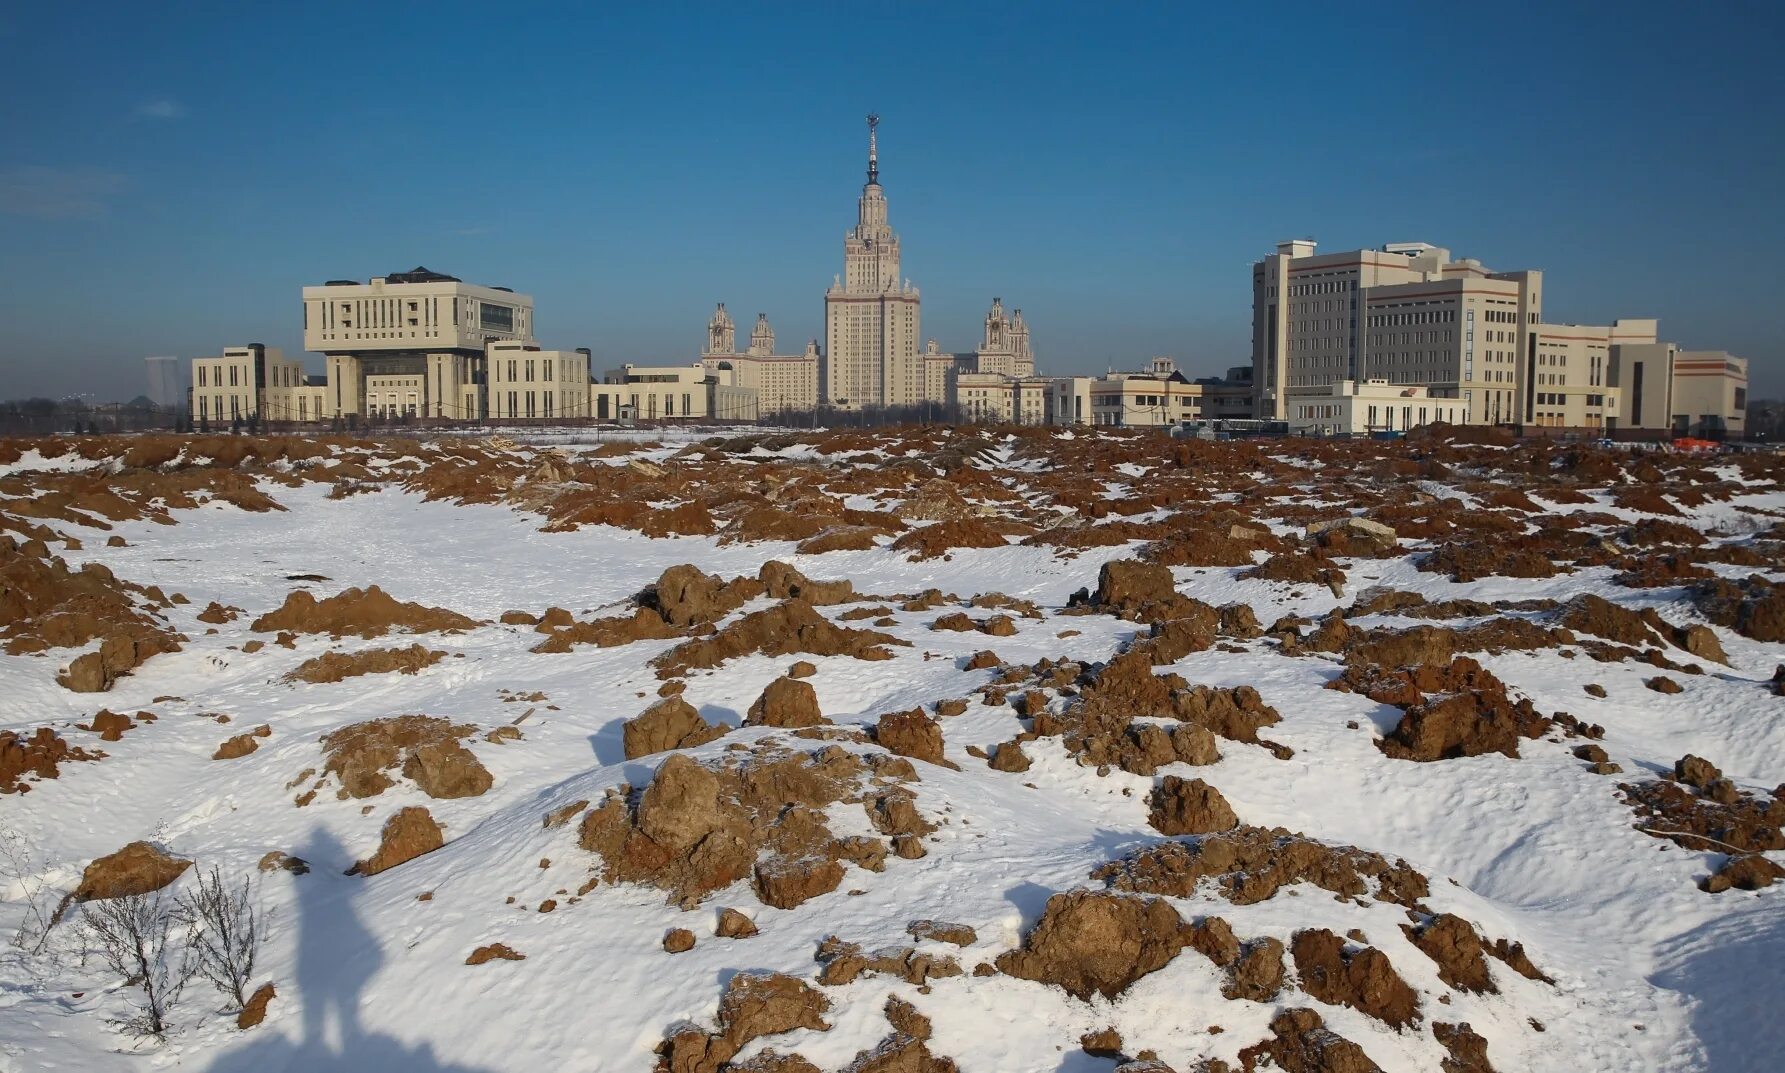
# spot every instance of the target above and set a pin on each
(873, 158)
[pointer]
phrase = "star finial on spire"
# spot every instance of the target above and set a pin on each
(873, 157)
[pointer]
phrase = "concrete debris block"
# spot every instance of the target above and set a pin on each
(1364, 526)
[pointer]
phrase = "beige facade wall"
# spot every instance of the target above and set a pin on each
(1569, 373)
(527, 383)
(250, 381)
(1710, 393)
(389, 316)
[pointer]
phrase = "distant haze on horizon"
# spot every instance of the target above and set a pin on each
(174, 175)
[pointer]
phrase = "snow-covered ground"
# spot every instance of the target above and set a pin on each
(1650, 972)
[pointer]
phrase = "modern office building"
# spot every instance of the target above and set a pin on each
(416, 332)
(1407, 313)
(871, 314)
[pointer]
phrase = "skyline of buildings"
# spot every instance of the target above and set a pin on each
(1332, 334)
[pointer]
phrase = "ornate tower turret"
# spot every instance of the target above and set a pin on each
(762, 337)
(722, 334)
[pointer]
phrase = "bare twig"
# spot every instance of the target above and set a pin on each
(134, 936)
(223, 933)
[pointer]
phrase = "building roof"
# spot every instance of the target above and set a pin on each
(420, 274)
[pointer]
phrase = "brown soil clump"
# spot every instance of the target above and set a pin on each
(336, 666)
(138, 868)
(1301, 1043)
(1363, 980)
(1453, 945)
(686, 596)
(938, 539)
(1189, 807)
(1748, 871)
(358, 612)
(1468, 1050)
(783, 582)
(1453, 710)
(1250, 864)
(217, 614)
(844, 963)
(45, 605)
(40, 755)
(1257, 974)
(1009, 757)
(427, 747)
(1097, 942)
(494, 952)
(786, 702)
(255, 1011)
(1753, 607)
(1102, 726)
(564, 633)
(408, 834)
(695, 830)
(941, 931)
(754, 1005)
(734, 925)
(912, 734)
(1144, 592)
(671, 723)
(1701, 810)
(109, 725)
(1472, 560)
(242, 744)
(789, 627)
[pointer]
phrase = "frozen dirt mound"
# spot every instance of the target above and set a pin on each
(788, 627)
(426, 748)
(338, 666)
(355, 612)
(695, 830)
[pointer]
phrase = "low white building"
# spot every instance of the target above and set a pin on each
(1358, 408)
(665, 392)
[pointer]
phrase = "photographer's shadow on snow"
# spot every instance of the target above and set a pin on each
(337, 955)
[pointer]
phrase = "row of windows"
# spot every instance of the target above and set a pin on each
(1431, 316)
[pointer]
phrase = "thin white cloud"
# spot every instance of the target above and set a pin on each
(161, 108)
(58, 193)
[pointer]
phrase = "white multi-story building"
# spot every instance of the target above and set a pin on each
(422, 328)
(782, 382)
(871, 315)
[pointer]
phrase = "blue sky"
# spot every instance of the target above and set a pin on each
(171, 175)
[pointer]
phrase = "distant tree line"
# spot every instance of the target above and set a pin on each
(48, 417)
